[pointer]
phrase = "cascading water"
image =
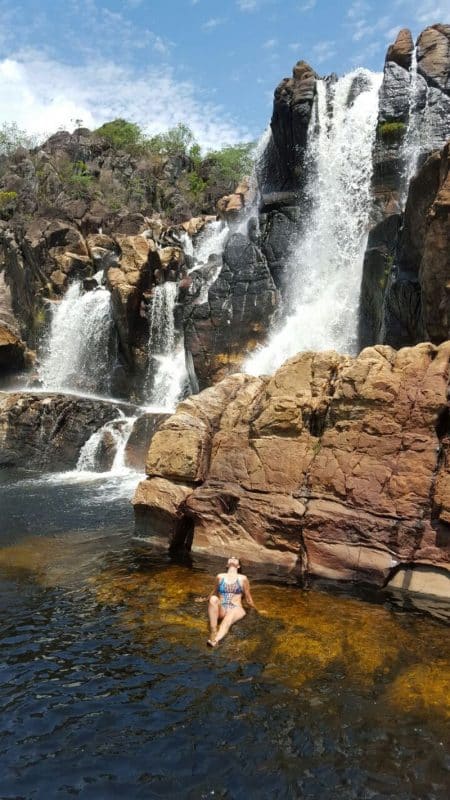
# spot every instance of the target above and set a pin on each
(428, 123)
(77, 352)
(326, 261)
(166, 354)
(118, 432)
(167, 370)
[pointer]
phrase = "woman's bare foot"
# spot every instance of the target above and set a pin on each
(212, 642)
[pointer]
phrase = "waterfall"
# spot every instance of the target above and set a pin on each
(113, 435)
(327, 258)
(210, 241)
(428, 123)
(167, 372)
(417, 127)
(77, 350)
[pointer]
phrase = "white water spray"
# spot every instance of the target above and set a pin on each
(326, 261)
(118, 431)
(77, 350)
(165, 349)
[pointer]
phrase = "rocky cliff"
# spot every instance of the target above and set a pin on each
(410, 184)
(335, 467)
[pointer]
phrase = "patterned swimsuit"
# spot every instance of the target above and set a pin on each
(227, 592)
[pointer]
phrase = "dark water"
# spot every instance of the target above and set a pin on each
(108, 689)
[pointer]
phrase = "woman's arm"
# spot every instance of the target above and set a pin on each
(247, 593)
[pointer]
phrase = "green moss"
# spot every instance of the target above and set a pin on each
(391, 131)
(7, 199)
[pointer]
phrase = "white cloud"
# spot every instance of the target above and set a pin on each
(42, 95)
(270, 44)
(323, 51)
(308, 6)
(247, 5)
(294, 46)
(212, 23)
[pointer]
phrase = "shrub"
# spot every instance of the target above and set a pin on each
(230, 164)
(12, 137)
(176, 141)
(121, 134)
(7, 199)
(391, 131)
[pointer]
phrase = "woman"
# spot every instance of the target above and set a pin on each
(225, 601)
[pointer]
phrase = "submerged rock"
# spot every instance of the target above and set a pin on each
(335, 467)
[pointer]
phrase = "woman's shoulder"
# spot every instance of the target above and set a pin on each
(243, 577)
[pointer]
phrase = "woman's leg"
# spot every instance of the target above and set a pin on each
(213, 613)
(229, 619)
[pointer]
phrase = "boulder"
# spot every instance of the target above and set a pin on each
(47, 432)
(334, 467)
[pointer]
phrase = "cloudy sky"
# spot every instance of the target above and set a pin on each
(212, 64)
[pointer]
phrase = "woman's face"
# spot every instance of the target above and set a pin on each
(233, 562)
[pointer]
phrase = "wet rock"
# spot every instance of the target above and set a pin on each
(48, 431)
(219, 334)
(139, 440)
(334, 467)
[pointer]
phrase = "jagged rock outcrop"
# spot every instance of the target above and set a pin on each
(48, 431)
(335, 467)
(414, 121)
(406, 282)
(235, 317)
(293, 101)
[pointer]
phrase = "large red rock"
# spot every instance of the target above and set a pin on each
(335, 467)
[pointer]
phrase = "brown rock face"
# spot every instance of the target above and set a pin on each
(336, 467)
(435, 263)
(401, 51)
(433, 46)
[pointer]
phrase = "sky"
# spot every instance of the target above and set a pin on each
(211, 64)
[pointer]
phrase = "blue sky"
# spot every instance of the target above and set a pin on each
(210, 63)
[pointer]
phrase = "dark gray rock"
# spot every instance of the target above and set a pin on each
(48, 431)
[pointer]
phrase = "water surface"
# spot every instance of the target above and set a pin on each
(108, 688)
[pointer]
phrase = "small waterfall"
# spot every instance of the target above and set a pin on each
(416, 130)
(326, 261)
(167, 372)
(77, 352)
(210, 241)
(113, 436)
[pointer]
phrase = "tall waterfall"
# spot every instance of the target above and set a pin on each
(327, 258)
(428, 123)
(77, 350)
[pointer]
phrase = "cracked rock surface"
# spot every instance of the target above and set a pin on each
(336, 467)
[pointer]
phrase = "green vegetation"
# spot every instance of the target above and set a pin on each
(12, 137)
(176, 141)
(7, 199)
(230, 164)
(391, 131)
(121, 135)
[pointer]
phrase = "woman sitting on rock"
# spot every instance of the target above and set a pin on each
(225, 601)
